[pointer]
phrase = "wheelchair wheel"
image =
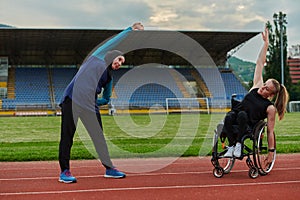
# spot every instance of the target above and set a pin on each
(261, 151)
(219, 150)
(253, 172)
(218, 172)
(226, 164)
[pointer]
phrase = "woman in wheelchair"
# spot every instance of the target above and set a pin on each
(257, 105)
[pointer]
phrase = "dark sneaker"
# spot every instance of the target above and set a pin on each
(66, 177)
(114, 173)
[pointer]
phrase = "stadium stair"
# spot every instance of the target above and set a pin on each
(11, 83)
(114, 95)
(179, 84)
(201, 83)
(51, 90)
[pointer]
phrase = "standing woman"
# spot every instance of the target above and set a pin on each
(80, 102)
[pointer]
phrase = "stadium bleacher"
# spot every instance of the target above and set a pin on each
(232, 86)
(61, 77)
(133, 87)
(143, 87)
(31, 89)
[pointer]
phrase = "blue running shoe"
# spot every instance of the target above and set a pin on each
(66, 177)
(114, 173)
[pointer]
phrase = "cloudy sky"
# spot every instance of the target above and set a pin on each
(195, 15)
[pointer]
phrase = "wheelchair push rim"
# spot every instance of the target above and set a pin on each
(261, 152)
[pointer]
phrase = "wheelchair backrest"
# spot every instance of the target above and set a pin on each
(235, 104)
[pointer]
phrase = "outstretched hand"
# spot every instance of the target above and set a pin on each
(265, 35)
(137, 26)
(269, 159)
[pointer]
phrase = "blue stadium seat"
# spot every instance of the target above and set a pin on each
(61, 77)
(143, 87)
(233, 86)
(32, 87)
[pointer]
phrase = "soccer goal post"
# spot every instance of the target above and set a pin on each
(187, 105)
(294, 106)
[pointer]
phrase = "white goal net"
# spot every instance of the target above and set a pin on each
(294, 106)
(187, 105)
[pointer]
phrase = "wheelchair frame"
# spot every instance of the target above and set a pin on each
(258, 151)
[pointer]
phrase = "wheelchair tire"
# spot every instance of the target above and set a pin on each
(253, 172)
(219, 161)
(218, 172)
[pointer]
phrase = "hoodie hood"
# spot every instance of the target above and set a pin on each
(111, 55)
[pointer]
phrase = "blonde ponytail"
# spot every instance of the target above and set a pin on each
(281, 101)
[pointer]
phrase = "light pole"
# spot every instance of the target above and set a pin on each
(281, 19)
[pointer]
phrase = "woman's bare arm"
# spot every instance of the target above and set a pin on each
(258, 78)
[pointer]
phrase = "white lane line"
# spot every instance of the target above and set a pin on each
(97, 175)
(148, 188)
(141, 174)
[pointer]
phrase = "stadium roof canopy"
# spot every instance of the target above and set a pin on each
(71, 46)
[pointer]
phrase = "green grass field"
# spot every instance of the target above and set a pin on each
(37, 138)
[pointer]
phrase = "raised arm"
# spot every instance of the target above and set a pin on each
(113, 42)
(258, 78)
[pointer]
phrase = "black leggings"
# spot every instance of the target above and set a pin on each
(70, 115)
(235, 126)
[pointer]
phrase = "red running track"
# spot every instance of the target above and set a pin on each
(186, 178)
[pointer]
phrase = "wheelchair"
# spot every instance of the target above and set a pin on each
(254, 144)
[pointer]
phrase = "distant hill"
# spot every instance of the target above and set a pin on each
(241, 68)
(5, 26)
